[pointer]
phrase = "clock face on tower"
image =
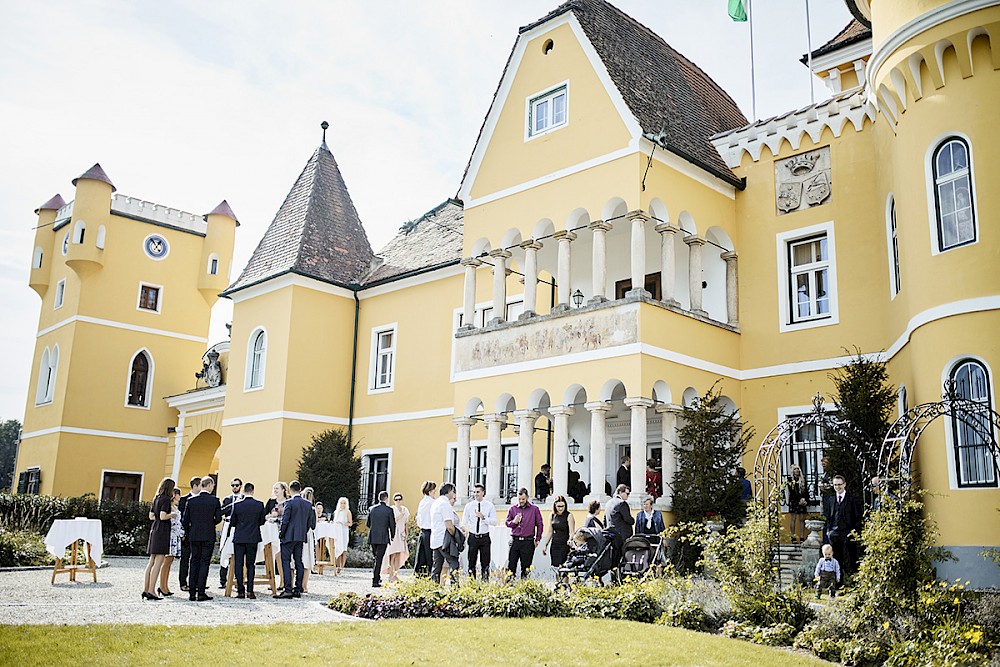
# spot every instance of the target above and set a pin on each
(156, 246)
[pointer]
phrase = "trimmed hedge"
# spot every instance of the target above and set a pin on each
(125, 524)
(21, 548)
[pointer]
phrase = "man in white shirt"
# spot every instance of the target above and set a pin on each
(425, 557)
(477, 518)
(443, 519)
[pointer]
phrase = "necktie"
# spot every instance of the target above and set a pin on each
(480, 511)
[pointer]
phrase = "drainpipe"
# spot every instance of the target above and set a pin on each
(354, 365)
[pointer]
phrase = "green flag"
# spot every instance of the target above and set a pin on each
(736, 10)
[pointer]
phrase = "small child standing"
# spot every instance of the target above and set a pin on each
(827, 574)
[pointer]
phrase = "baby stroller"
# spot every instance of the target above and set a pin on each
(639, 554)
(590, 562)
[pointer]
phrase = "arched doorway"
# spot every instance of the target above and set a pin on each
(199, 457)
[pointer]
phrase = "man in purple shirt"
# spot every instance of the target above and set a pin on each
(525, 523)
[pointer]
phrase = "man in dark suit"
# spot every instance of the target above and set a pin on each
(247, 517)
(624, 474)
(227, 511)
(843, 515)
(185, 546)
(381, 528)
(297, 517)
(201, 515)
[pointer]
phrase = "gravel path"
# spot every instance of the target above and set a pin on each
(27, 598)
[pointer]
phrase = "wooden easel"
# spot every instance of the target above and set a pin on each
(74, 566)
(324, 546)
(267, 578)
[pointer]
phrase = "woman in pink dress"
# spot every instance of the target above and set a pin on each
(397, 553)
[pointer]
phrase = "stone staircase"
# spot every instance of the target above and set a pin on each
(788, 558)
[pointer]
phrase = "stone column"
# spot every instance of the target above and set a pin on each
(563, 275)
(494, 426)
(668, 414)
(637, 448)
(598, 449)
(462, 456)
(499, 286)
(531, 249)
(525, 448)
(469, 305)
(694, 272)
(638, 219)
(600, 268)
(560, 449)
(732, 289)
(668, 263)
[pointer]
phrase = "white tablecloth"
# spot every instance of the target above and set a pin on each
(66, 531)
(269, 535)
(325, 529)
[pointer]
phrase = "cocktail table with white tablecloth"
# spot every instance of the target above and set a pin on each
(67, 532)
(325, 532)
(269, 546)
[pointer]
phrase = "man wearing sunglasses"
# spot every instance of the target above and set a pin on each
(227, 513)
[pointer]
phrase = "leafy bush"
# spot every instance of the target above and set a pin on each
(360, 557)
(631, 601)
(125, 524)
(524, 598)
(687, 614)
(345, 603)
(779, 634)
(741, 560)
(21, 548)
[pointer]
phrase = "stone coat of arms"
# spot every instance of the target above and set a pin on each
(803, 181)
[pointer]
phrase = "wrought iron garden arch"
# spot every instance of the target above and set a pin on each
(900, 443)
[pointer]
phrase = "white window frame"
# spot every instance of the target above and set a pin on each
(373, 386)
(48, 368)
(248, 380)
(65, 243)
(784, 414)
(159, 298)
(532, 101)
(366, 454)
(37, 257)
(142, 480)
(102, 237)
(149, 380)
(79, 232)
(60, 296)
(783, 242)
(949, 435)
(892, 245)
(931, 188)
(213, 258)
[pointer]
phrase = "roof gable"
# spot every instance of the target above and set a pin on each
(316, 233)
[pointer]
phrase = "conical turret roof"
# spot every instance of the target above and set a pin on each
(223, 209)
(95, 173)
(316, 232)
(53, 204)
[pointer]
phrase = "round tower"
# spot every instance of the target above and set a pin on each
(41, 256)
(217, 251)
(88, 223)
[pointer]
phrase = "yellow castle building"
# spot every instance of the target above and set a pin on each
(622, 239)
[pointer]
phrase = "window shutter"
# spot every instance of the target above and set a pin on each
(22, 482)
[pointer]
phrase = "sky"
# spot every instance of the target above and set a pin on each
(185, 103)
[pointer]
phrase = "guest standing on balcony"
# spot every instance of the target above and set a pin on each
(654, 480)
(525, 523)
(425, 557)
(543, 483)
(624, 474)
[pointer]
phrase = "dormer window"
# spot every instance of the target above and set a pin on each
(548, 111)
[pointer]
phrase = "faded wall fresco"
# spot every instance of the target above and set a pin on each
(549, 337)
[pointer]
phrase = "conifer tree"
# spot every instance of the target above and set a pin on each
(332, 467)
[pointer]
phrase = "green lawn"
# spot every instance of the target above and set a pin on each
(505, 643)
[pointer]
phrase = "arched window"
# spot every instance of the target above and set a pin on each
(36, 258)
(45, 379)
(890, 224)
(102, 236)
(79, 231)
(954, 210)
(139, 380)
(256, 359)
(974, 464)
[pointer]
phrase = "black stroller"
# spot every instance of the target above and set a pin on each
(590, 562)
(639, 554)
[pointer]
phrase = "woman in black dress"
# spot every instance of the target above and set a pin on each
(159, 536)
(798, 502)
(561, 527)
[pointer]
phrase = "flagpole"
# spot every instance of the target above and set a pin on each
(809, 44)
(753, 78)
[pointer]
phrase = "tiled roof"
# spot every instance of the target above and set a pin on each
(223, 209)
(669, 95)
(316, 232)
(53, 204)
(852, 32)
(434, 239)
(95, 173)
